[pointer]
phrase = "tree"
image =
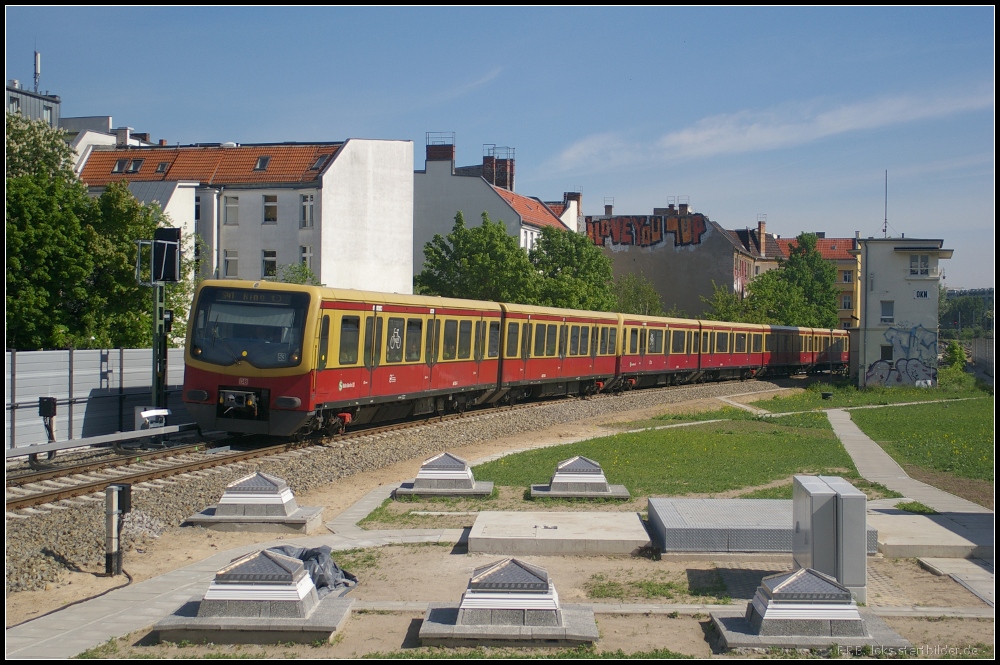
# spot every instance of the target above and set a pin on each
(816, 277)
(297, 273)
(635, 295)
(482, 263)
(574, 271)
(770, 300)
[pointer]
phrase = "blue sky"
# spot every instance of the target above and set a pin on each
(792, 113)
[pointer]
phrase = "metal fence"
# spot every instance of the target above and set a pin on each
(982, 354)
(96, 391)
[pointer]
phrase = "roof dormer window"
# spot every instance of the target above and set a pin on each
(162, 167)
(134, 166)
(262, 163)
(320, 161)
(120, 165)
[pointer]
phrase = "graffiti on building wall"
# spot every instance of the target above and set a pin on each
(915, 349)
(646, 230)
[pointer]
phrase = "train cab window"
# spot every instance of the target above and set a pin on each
(414, 333)
(539, 339)
(450, 340)
(433, 335)
(493, 340)
(584, 340)
(756, 342)
(512, 330)
(722, 342)
(574, 340)
(613, 341)
(604, 341)
(324, 343)
(394, 341)
(656, 341)
(677, 341)
(350, 331)
(550, 340)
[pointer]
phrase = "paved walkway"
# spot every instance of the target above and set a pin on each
(80, 627)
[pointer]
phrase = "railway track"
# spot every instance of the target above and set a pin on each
(49, 486)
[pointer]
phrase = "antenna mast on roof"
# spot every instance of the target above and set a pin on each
(38, 69)
(885, 209)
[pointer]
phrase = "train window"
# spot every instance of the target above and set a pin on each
(604, 340)
(540, 339)
(394, 341)
(433, 335)
(642, 342)
(656, 341)
(677, 341)
(722, 342)
(414, 331)
(550, 340)
(373, 341)
(769, 343)
(633, 341)
(584, 340)
(526, 342)
(705, 342)
(512, 330)
(693, 345)
(756, 342)
(593, 340)
(464, 339)
(574, 340)
(613, 341)
(477, 352)
(350, 331)
(741, 343)
(450, 340)
(563, 333)
(493, 344)
(324, 342)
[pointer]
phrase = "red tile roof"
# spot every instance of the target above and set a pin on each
(211, 165)
(831, 249)
(532, 211)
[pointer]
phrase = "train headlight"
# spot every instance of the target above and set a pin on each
(295, 357)
(195, 351)
(244, 354)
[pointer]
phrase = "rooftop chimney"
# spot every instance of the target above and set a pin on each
(163, 141)
(498, 166)
(122, 135)
(761, 237)
(608, 209)
(141, 136)
(682, 208)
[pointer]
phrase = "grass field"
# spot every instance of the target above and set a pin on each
(956, 437)
(714, 457)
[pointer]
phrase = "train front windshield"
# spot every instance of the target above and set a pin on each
(262, 328)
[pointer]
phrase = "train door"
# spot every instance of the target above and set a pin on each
(321, 387)
(432, 343)
(373, 348)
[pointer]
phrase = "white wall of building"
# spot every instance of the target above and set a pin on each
(367, 217)
(438, 195)
(899, 318)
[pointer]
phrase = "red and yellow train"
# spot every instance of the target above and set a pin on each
(284, 359)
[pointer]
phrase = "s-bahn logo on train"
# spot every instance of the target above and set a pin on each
(342, 385)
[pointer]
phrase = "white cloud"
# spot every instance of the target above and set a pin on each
(756, 131)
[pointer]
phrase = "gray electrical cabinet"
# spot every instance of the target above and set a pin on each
(829, 531)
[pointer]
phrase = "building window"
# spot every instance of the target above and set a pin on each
(886, 352)
(119, 166)
(847, 325)
(262, 163)
(232, 210)
(306, 211)
(231, 263)
(888, 307)
(848, 277)
(269, 268)
(846, 304)
(306, 256)
(134, 166)
(13, 105)
(318, 164)
(197, 208)
(756, 270)
(162, 167)
(47, 114)
(270, 208)
(920, 265)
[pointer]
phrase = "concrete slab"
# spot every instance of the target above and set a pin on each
(480, 488)
(322, 624)
(615, 492)
(906, 535)
(566, 533)
(976, 575)
(302, 521)
(440, 628)
(735, 633)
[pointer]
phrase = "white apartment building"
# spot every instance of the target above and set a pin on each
(344, 209)
(898, 336)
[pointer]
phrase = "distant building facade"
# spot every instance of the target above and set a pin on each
(33, 105)
(344, 209)
(897, 341)
(840, 252)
